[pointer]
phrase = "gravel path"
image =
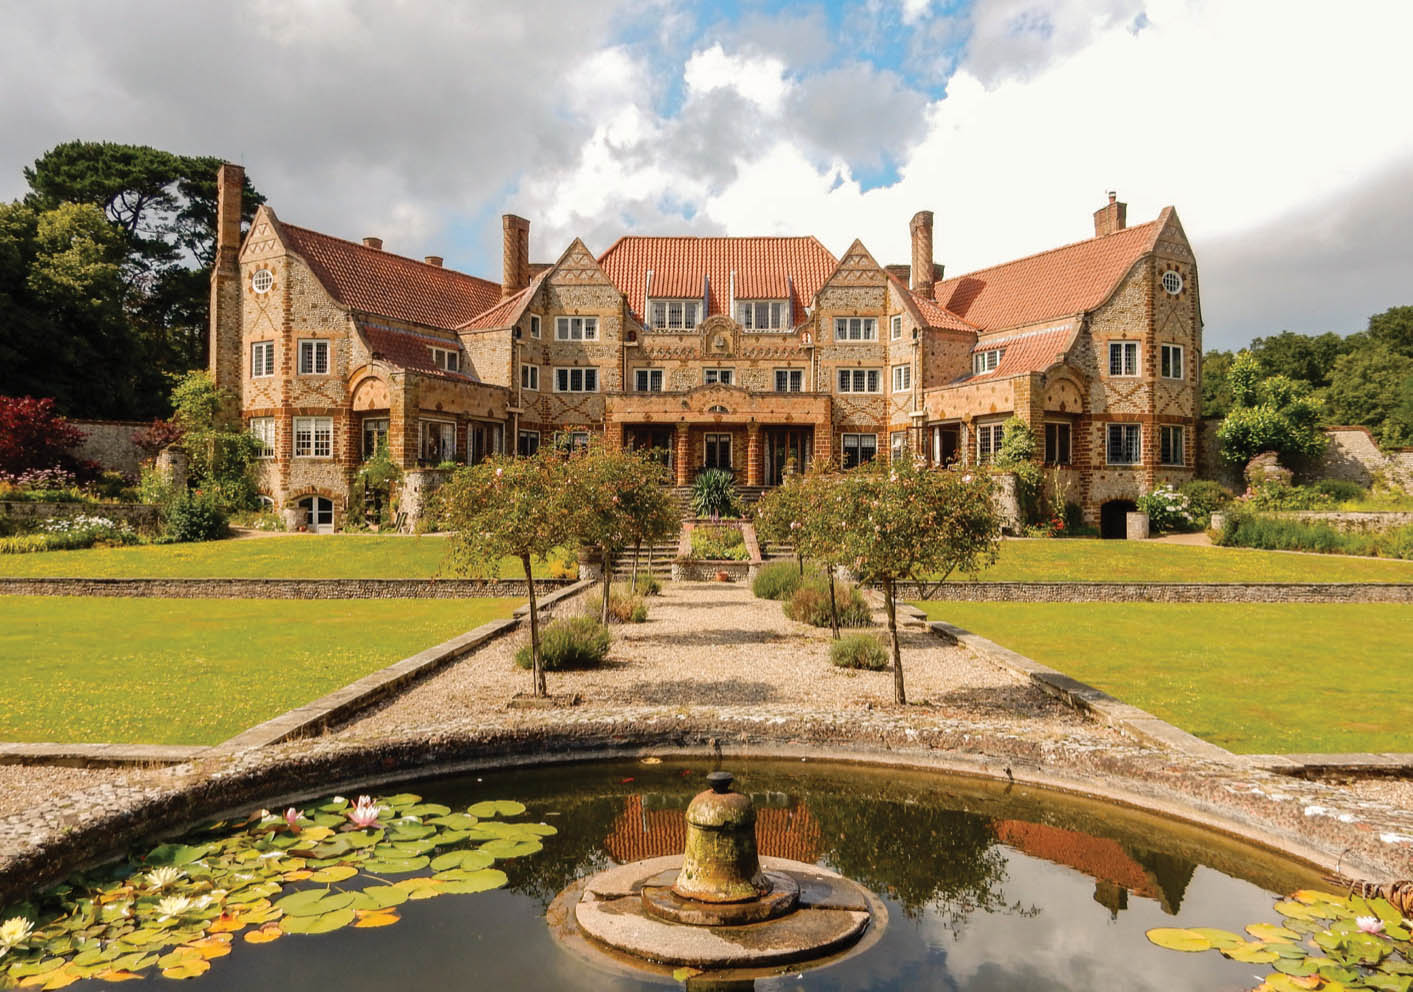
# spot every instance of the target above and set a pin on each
(715, 644)
(22, 786)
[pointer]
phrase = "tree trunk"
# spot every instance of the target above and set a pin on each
(607, 562)
(801, 559)
(637, 553)
(900, 696)
(539, 673)
(833, 607)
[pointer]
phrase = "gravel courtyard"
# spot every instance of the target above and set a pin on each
(715, 645)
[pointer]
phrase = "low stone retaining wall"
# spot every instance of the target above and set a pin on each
(691, 570)
(1158, 592)
(282, 588)
(1349, 520)
(142, 516)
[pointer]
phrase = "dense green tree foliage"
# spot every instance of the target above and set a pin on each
(1270, 413)
(103, 275)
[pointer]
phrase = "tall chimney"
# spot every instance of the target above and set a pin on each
(433, 260)
(921, 228)
(515, 266)
(224, 341)
(374, 243)
(1111, 217)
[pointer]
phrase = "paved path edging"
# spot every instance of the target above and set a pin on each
(1158, 592)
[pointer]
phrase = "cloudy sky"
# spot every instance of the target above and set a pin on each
(1280, 129)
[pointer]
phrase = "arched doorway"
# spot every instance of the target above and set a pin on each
(1113, 518)
(316, 514)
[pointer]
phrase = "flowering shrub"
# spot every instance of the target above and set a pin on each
(719, 543)
(1167, 509)
(193, 516)
(70, 533)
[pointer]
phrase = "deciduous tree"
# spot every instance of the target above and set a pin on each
(1270, 413)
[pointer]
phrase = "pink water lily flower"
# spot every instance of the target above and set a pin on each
(364, 813)
(292, 818)
(1370, 924)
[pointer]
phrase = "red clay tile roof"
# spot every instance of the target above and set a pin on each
(412, 351)
(1029, 351)
(379, 282)
(762, 266)
(1056, 283)
(506, 312)
(1097, 857)
(638, 834)
(937, 315)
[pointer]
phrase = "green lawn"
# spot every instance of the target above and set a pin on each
(295, 556)
(1252, 678)
(198, 671)
(1083, 560)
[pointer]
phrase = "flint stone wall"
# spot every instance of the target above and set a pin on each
(283, 588)
(1158, 592)
(142, 516)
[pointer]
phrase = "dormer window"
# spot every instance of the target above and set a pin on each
(986, 361)
(444, 358)
(674, 315)
(762, 315)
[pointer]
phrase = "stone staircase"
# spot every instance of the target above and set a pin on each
(776, 552)
(747, 495)
(662, 555)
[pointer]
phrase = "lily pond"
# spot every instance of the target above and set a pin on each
(444, 884)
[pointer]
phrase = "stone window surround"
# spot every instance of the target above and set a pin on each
(895, 327)
(263, 430)
(446, 359)
(313, 349)
(534, 325)
(723, 376)
(1124, 348)
(903, 378)
(845, 385)
(1172, 357)
(720, 439)
(1130, 430)
(564, 328)
(843, 329)
(567, 372)
(262, 359)
(776, 312)
(1172, 445)
(687, 313)
(527, 443)
(988, 438)
(789, 374)
(855, 441)
(643, 379)
(317, 432)
(530, 377)
(1068, 446)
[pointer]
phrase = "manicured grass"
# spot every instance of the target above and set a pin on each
(294, 556)
(1252, 678)
(1084, 560)
(198, 671)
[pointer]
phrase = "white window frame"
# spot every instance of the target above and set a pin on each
(643, 380)
(1171, 359)
(1166, 431)
(262, 359)
(314, 349)
(790, 377)
(316, 430)
(903, 378)
(262, 285)
(1125, 350)
(856, 442)
(526, 436)
(719, 377)
(1174, 286)
(425, 422)
(263, 430)
(895, 327)
(674, 314)
(1069, 442)
(849, 381)
(1134, 430)
(763, 316)
(897, 445)
(988, 440)
(855, 329)
(534, 325)
(363, 432)
(576, 328)
(530, 377)
(446, 359)
(986, 361)
(564, 379)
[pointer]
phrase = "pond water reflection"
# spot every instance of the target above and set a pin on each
(987, 887)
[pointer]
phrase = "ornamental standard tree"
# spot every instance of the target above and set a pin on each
(510, 508)
(907, 521)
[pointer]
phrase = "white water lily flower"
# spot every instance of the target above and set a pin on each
(1369, 924)
(173, 906)
(164, 877)
(14, 930)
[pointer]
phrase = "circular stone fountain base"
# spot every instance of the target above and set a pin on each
(606, 916)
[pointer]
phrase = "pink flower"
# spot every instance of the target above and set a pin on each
(292, 818)
(499, 472)
(364, 813)
(1370, 924)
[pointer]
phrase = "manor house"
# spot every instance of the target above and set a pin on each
(759, 355)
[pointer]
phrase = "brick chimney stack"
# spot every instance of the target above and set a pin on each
(516, 260)
(375, 243)
(921, 228)
(433, 260)
(224, 342)
(1111, 217)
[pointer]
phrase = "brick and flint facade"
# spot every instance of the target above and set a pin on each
(758, 355)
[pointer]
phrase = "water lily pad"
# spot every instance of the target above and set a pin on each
(496, 807)
(1219, 938)
(401, 799)
(476, 881)
(1269, 932)
(379, 897)
(1256, 953)
(382, 918)
(189, 968)
(1178, 939)
(174, 854)
(457, 821)
(395, 866)
(325, 923)
(265, 934)
(503, 848)
(466, 860)
(425, 809)
(336, 873)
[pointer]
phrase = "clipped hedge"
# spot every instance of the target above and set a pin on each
(577, 642)
(859, 651)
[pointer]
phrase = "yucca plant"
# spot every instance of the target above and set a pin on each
(714, 494)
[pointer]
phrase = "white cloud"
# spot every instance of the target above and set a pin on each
(914, 10)
(758, 78)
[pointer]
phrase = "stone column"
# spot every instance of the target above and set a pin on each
(753, 465)
(683, 455)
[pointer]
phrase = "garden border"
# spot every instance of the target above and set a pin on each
(1156, 592)
(249, 588)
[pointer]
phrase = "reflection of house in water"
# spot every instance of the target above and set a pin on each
(1160, 877)
(641, 831)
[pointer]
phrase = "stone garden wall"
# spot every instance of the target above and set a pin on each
(283, 588)
(142, 516)
(1347, 520)
(1157, 592)
(109, 443)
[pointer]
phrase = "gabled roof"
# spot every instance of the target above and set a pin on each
(507, 311)
(411, 351)
(1029, 351)
(936, 315)
(379, 282)
(1060, 282)
(772, 268)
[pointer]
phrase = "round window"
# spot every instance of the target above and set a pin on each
(1172, 282)
(263, 280)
